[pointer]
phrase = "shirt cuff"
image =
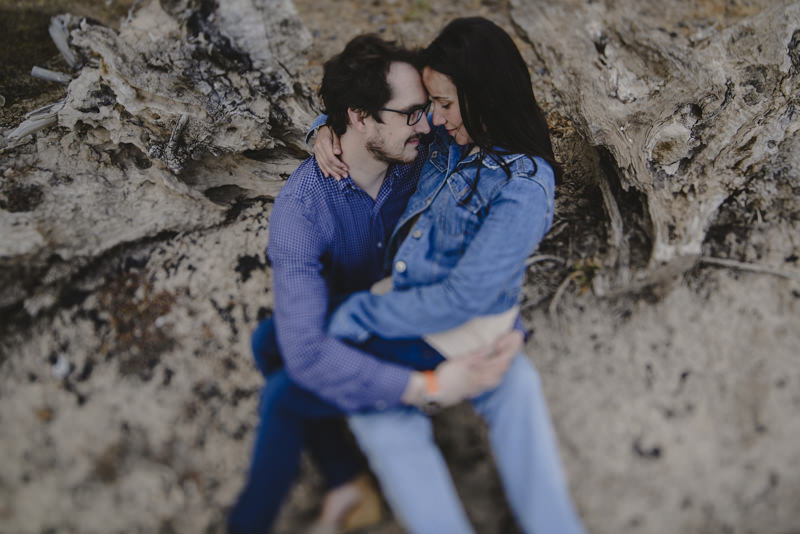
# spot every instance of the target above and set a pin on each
(392, 381)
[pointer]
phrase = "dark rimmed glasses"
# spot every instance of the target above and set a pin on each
(414, 115)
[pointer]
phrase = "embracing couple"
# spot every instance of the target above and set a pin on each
(434, 168)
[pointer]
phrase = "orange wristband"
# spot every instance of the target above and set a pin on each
(431, 382)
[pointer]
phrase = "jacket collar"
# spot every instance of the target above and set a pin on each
(456, 153)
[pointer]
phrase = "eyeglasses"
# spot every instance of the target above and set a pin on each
(413, 116)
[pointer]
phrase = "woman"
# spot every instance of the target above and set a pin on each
(481, 156)
(483, 203)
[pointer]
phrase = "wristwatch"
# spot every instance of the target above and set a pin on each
(430, 397)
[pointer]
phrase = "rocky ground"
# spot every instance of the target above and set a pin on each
(127, 391)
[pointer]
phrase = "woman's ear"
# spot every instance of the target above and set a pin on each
(356, 117)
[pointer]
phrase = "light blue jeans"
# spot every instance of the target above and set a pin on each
(399, 446)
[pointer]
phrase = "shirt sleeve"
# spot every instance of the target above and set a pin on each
(337, 372)
(513, 228)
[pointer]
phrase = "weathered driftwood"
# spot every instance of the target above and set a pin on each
(689, 104)
(59, 33)
(35, 121)
(50, 76)
(170, 120)
(225, 76)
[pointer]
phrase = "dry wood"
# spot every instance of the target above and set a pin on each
(553, 306)
(751, 267)
(543, 257)
(50, 76)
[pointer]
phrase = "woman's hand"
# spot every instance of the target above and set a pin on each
(486, 368)
(327, 149)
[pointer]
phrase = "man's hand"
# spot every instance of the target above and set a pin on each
(327, 149)
(468, 376)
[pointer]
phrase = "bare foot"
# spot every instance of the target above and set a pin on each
(352, 505)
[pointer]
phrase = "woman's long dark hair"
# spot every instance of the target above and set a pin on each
(495, 95)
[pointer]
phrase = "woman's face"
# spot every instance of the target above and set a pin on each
(445, 108)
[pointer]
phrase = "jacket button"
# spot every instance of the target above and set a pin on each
(400, 266)
(417, 234)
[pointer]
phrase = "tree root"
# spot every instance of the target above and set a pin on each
(752, 267)
(543, 257)
(551, 308)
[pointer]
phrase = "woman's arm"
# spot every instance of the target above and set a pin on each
(516, 222)
(327, 149)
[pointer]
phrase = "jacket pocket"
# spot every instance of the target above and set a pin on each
(453, 230)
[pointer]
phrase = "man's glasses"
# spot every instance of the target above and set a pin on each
(413, 116)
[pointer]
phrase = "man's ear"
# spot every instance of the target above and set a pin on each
(357, 118)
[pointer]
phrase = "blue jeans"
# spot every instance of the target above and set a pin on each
(399, 446)
(292, 419)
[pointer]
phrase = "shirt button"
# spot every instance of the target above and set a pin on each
(434, 154)
(400, 266)
(417, 234)
(380, 244)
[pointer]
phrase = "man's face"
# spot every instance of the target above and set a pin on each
(393, 140)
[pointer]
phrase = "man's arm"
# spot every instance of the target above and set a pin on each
(468, 289)
(322, 364)
(337, 372)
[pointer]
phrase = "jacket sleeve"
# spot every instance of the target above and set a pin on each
(514, 226)
(318, 121)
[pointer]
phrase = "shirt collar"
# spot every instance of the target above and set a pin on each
(392, 173)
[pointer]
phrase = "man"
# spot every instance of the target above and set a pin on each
(327, 240)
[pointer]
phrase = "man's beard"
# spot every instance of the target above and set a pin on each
(376, 147)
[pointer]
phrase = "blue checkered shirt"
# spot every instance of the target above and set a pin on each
(327, 240)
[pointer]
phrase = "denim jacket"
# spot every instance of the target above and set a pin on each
(463, 255)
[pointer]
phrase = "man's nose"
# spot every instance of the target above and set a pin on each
(422, 125)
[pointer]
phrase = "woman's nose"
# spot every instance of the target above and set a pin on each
(438, 117)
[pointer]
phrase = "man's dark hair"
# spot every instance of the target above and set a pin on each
(356, 78)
